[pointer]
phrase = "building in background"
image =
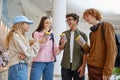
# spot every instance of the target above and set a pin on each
(57, 9)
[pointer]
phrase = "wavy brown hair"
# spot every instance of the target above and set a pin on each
(41, 24)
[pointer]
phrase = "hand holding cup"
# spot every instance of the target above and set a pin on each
(47, 33)
(80, 40)
(63, 37)
(43, 39)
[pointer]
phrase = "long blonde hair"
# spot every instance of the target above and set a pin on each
(16, 28)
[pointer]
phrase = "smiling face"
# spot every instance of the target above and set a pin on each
(47, 24)
(71, 22)
(25, 27)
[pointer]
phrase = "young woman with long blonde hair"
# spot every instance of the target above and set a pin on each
(18, 44)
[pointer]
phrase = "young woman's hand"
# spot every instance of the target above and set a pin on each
(31, 42)
(43, 39)
(21, 56)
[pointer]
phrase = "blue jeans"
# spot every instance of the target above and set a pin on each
(18, 72)
(42, 68)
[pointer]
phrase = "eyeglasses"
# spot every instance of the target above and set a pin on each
(69, 20)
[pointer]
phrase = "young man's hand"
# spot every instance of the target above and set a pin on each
(106, 77)
(62, 43)
(81, 70)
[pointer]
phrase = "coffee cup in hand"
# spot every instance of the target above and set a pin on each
(43, 39)
(63, 36)
(47, 33)
(80, 40)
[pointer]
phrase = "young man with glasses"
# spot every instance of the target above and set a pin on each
(74, 59)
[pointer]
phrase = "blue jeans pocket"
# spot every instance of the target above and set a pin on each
(18, 72)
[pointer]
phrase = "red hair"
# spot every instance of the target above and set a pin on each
(93, 12)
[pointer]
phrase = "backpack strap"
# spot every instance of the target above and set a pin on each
(117, 37)
(102, 31)
(52, 38)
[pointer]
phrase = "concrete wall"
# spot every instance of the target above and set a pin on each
(25, 7)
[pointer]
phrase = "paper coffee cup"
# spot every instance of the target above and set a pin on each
(63, 36)
(77, 39)
(80, 40)
(47, 33)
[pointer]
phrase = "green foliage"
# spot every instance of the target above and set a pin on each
(116, 72)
